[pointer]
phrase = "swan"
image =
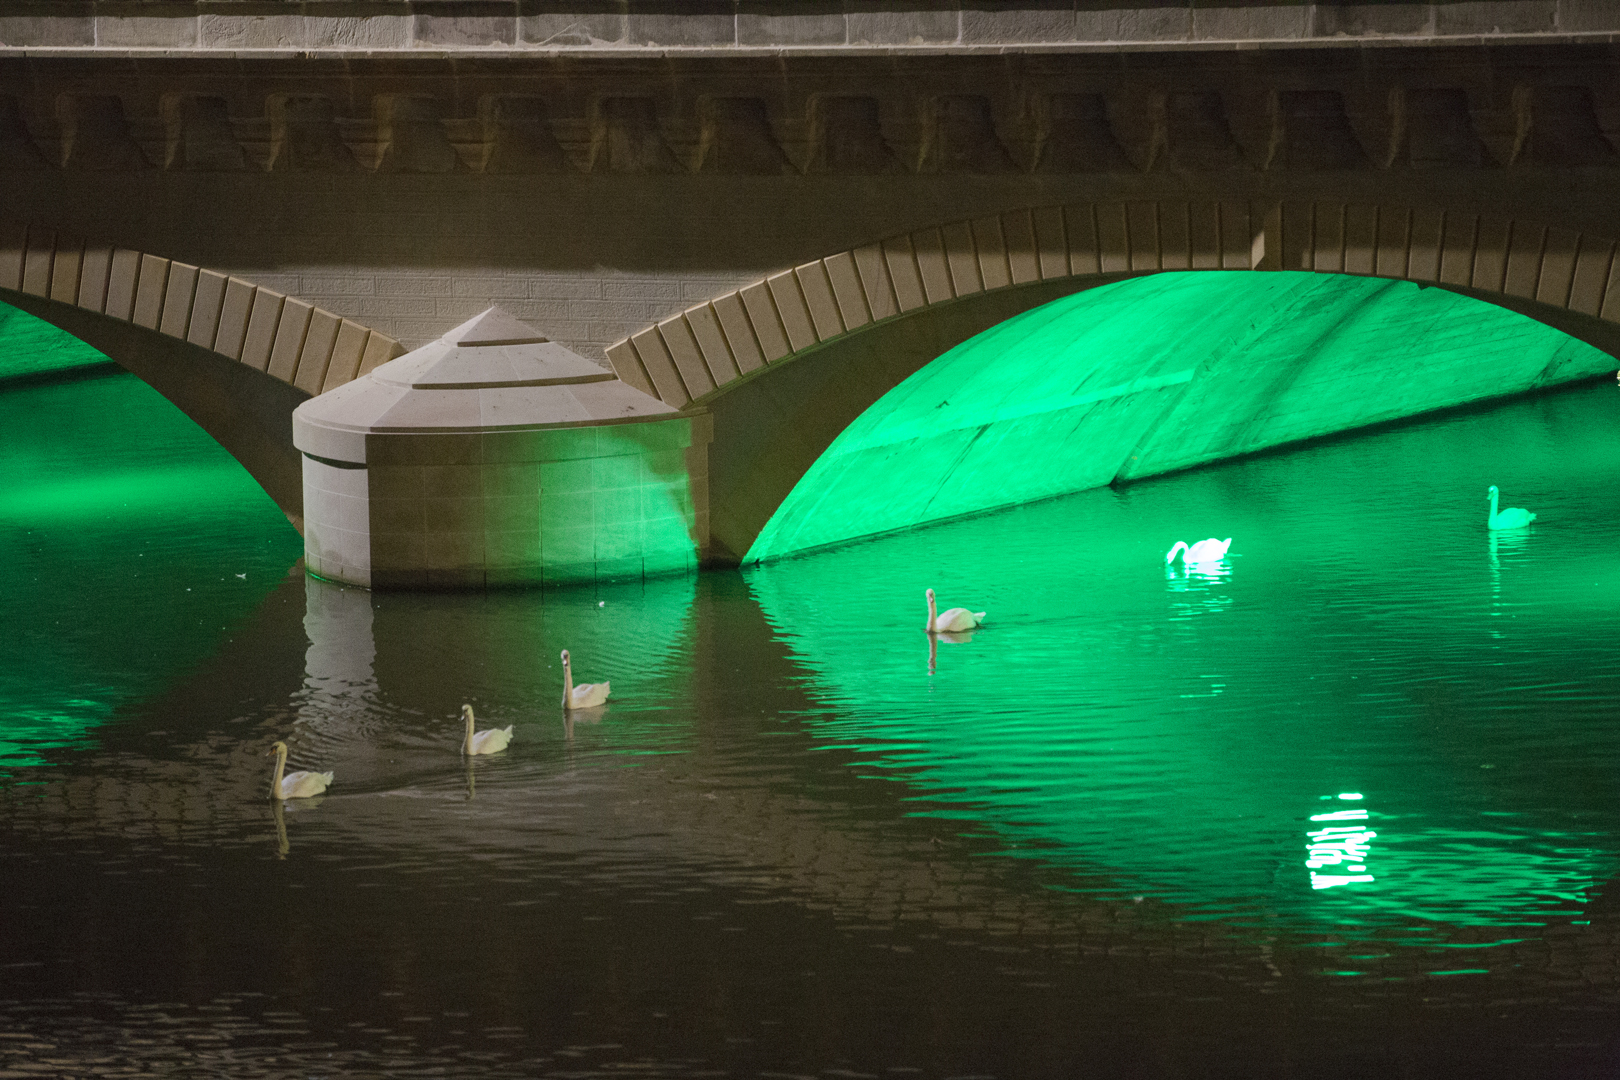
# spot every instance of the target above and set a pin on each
(585, 695)
(490, 741)
(952, 621)
(1211, 550)
(1513, 517)
(298, 785)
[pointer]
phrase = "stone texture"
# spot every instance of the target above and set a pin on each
(791, 22)
(95, 134)
(736, 137)
(200, 136)
(845, 136)
(901, 22)
(625, 137)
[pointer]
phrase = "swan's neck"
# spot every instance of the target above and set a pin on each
(466, 743)
(933, 617)
(281, 767)
(1495, 496)
(568, 686)
(1181, 545)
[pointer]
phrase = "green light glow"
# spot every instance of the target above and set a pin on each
(31, 346)
(1155, 374)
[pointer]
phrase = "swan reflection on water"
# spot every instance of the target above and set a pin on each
(1194, 583)
(949, 637)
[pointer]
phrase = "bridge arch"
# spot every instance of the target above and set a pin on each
(786, 363)
(235, 357)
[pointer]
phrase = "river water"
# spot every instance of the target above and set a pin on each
(1342, 805)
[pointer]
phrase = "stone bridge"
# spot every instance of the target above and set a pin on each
(702, 193)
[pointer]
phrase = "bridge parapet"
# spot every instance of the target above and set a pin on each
(460, 27)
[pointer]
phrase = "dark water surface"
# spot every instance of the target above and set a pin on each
(1106, 836)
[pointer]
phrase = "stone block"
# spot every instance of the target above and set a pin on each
(40, 253)
(177, 300)
(456, 551)
(65, 265)
(1051, 245)
(816, 287)
(1023, 258)
(1361, 238)
(711, 342)
(396, 516)
(1113, 238)
(565, 478)
(1220, 20)
(149, 291)
(316, 354)
(1495, 17)
(1142, 234)
(905, 275)
(371, 30)
(508, 550)
(791, 307)
(765, 322)
(1327, 247)
(691, 23)
(1204, 235)
(1238, 232)
(146, 25)
(1428, 229)
(1080, 227)
(567, 444)
(92, 276)
(928, 245)
(1525, 245)
(1175, 241)
(901, 22)
(1018, 22)
(682, 347)
(13, 253)
(1141, 20)
(1579, 16)
(1394, 242)
(1438, 130)
(50, 24)
(628, 367)
(380, 348)
(262, 325)
(1312, 132)
(1197, 133)
(791, 22)
(453, 515)
(1075, 136)
(1365, 20)
(1592, 268)
(1457, 248)
(962, 258)
(845, 279)
(1294, 249)
(121, 281)
(1490, 254)
(739, 331)
(251, 27)
(206, 305)
(1558, 126)
(460, 24)
(991, 246)
(1557, 267)
(561, 23)
(304, 135)
(291, 327)
(660, 367)
(234, 313)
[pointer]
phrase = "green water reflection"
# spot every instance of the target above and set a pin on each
(1191, 733)
(131, 545)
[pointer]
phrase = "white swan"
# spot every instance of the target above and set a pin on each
(952, 621)
(1211, 550)
(1513, 517)
(489, 741)
(298, 785)
(585, 695)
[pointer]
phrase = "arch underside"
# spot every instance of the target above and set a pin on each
(787, 363)
(235, 357)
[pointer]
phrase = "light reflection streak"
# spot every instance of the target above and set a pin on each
(1339, 845)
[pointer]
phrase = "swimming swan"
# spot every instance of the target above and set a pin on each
(585, 695)
(1513, 517)
(298, 785)
(1211, 550)
(490, 741)
(952, 621)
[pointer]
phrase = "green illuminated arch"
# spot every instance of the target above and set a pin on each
(1154, 374)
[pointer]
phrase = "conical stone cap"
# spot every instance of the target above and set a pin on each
(491, 373)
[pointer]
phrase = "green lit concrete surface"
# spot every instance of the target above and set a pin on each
(1156, 374)
(32, 349)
